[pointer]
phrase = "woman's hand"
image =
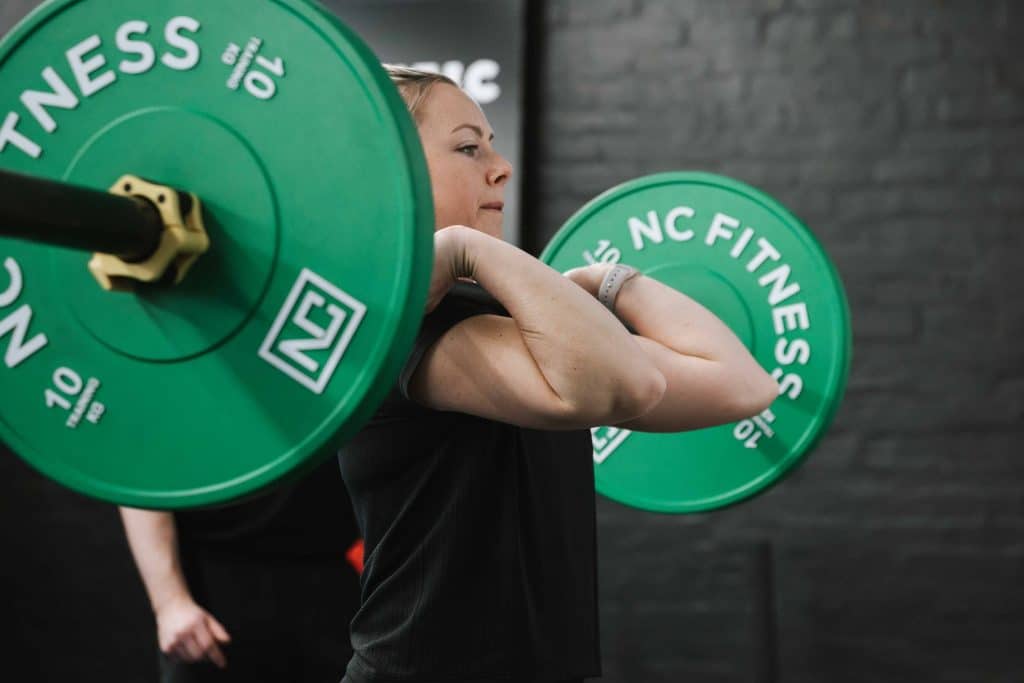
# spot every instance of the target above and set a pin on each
(451, 263)
(589, 277)
(189, 633)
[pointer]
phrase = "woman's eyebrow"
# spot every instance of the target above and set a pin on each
(475, 129)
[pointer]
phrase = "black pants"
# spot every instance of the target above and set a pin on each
(288, 618)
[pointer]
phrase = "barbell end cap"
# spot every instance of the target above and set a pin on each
(184, 238)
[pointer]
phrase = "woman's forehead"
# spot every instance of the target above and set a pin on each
(447, 106)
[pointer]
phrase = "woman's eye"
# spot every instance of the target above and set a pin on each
(469, 150)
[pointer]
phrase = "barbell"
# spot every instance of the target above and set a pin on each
(217, 242)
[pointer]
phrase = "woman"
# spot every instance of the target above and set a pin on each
(473, 485)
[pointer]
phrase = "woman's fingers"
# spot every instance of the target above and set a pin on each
(191, 634)
(193, 650)
(218, 630)
(208, 646)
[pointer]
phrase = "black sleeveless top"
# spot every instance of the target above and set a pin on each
(480, 539)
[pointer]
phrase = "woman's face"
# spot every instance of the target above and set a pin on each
(467, 174)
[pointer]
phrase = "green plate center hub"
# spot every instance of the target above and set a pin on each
(223, 288)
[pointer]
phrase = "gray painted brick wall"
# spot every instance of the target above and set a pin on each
(894, 129)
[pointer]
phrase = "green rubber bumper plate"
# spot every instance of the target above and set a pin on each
(746, 258)
(287, 334)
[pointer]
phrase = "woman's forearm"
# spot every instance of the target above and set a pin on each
(671, 318)
(682, 325)
(587, 357)
(712, 378)
(153, 539)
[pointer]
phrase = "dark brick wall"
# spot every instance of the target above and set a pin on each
(894, 129)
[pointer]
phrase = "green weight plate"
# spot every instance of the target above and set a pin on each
(288, 333)
(752, 263)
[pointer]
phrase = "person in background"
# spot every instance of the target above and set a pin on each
(254, 591)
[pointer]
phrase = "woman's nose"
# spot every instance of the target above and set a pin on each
(500, 172)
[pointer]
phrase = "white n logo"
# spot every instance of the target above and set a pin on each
(319, 338)
(17, 323)
(312, 331)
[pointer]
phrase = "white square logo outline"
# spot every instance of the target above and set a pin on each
(266, 352)
(609, 448)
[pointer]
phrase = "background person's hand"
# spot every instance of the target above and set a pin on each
(189, 633)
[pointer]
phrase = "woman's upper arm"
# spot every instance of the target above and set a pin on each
(481, 366)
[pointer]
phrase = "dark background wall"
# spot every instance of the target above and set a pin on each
(896, 131)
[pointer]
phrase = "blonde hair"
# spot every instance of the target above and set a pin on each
(414, 85)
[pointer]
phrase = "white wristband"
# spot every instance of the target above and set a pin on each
(612, 283)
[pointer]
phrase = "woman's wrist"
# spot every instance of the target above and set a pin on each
(614, 280)
(169, 598)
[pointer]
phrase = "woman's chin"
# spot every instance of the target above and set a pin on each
(490, 223)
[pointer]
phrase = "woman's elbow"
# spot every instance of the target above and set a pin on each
(640, 394)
